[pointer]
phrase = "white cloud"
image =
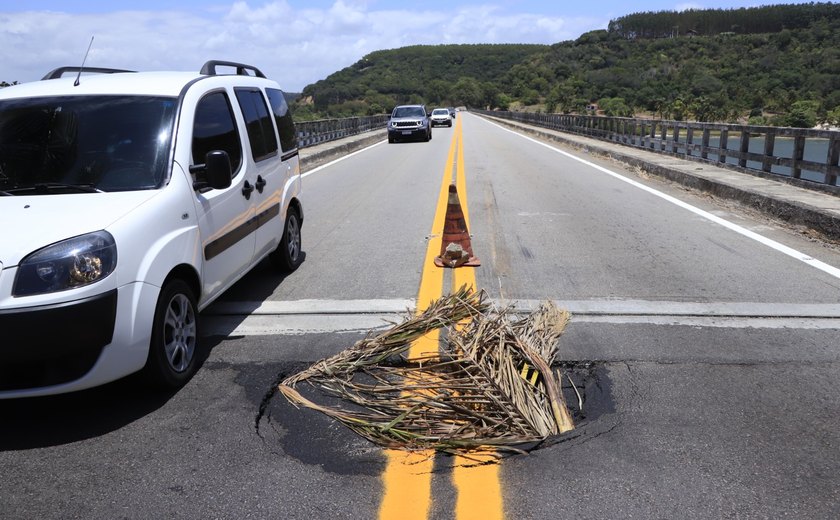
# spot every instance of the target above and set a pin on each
(688, 6)
(295, 46)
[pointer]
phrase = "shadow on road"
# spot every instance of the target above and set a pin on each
(38, 422)
(258, 284)
(54, 420)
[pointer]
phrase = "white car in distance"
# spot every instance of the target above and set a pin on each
(441, 117)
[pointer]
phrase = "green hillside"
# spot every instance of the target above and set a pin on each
(777, 64)
(433, 74)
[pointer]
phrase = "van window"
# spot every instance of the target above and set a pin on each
(257, 122)
(283, 117)
(215, 129)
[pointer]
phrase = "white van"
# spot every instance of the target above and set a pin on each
(129, 202)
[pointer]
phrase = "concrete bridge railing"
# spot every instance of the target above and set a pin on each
(310, 133)
(802, 156)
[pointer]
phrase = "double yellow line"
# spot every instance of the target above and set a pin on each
(408, 476)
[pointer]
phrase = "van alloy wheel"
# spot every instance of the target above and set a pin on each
(173, 348)
(179, 333)
(288, 256)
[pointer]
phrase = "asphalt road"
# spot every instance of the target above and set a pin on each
(708, 357)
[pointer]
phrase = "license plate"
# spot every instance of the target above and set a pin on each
(406, 132)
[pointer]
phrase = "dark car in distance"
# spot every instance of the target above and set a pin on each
(409, 122)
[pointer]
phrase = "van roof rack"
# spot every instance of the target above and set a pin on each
(209, 68)
(57, 73)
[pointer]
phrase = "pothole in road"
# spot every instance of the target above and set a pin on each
(316, 439)
(492, 384)
(313, 438)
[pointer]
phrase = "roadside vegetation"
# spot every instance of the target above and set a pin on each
(775, 65)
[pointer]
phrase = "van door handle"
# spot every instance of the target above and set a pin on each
(260, 183)
(247, 189)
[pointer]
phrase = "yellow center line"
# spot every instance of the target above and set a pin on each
(476, 478)
(462, 276)
(408, 475)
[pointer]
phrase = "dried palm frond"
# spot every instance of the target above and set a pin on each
(490, 385)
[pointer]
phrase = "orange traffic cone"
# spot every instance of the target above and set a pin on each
(455, 248)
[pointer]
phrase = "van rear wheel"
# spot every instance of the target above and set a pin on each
(288, 256)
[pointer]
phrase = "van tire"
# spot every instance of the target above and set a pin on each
(173, 350)
(288, 256)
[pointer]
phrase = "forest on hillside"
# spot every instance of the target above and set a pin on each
(745, 20)
(416, 74)
(776, 65)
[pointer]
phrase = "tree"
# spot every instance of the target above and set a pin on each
(678, 109)
(437, 91)
(832, 117)
(467, 91)
(489, 94)
(530, 96)
(803, 114)
(615, 107)
(502, 102)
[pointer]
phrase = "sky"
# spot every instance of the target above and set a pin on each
(295, 42)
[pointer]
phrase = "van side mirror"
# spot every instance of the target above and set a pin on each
(215, 173)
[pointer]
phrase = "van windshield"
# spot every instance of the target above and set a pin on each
(94, 143)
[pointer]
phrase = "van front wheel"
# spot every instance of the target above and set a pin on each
(173, 348)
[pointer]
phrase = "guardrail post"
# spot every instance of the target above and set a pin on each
(675, 145)
(744, 149)
(722, 145)
(704, 147)
(689, 140)
(664, 137)
(798, 154)
(769, 145)
(832, 160)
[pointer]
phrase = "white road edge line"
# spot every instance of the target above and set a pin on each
(283, 325)
(578, 308)
(793, 253)
(327, 165)
(296, 317)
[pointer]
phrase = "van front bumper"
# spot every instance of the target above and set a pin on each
(54, 344)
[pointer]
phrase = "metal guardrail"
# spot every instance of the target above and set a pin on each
(310, 133)
(794, 153)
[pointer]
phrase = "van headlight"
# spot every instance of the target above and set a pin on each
(69, 264)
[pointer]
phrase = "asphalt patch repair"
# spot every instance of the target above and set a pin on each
(495, 383)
